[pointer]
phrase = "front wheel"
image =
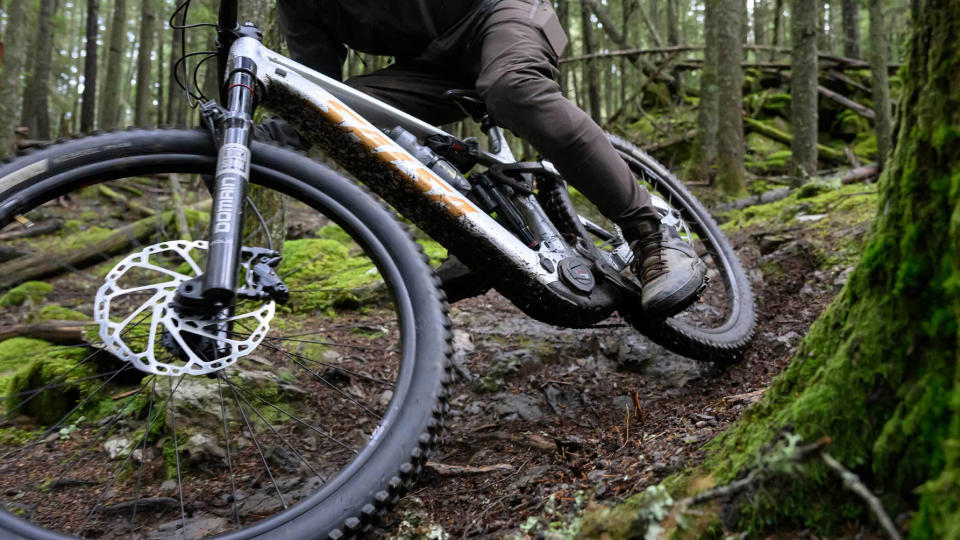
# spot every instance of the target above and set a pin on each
(721, 324)
(123, 417)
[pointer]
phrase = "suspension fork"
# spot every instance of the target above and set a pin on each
(216, 289)
(230, 184)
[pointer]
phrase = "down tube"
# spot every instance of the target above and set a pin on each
(415, 191)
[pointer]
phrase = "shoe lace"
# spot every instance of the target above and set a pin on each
(651, 262)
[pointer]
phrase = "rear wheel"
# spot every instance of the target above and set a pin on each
(721, 323)
(123, 416)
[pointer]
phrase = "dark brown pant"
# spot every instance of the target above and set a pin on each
(512, 62)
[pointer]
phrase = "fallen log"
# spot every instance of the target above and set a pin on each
(61, 332)
(677, 139)
(823, 152)
(766, 197)
(861, 174)
(56, 261)
(862, 110)
(36, 229)
(122, 199)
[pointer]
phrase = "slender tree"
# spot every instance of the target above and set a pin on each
(176, 108)
(704, 150)
(591, 77)
(881, 89)
(40, 116)
(777, 24)
(731, 177)
(141, 114)
(112, 85)
(89, 107)
(851, 28)
(803, 84)
(14, 54)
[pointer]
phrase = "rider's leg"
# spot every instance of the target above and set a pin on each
(517, 58)
(415, 89)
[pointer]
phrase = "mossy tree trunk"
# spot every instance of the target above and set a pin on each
(144, 100)
(110, 97)
(731, 176)
(803, 85)
(879, 373)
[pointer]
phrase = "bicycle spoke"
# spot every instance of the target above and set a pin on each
(256, 443)
(226, 443)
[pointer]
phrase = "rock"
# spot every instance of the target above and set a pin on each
(690, 439)
(513, 406)
(809, 218)
(168, 485)
(202, 448)
(117, 447)
(701, 424)
(196, 527)
(843, 277)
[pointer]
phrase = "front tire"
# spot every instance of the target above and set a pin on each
(351, 407)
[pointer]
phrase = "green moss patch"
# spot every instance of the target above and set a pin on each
(32, 291)
(324, 274)
(47, 365)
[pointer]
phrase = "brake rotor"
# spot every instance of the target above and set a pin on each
(175, 344)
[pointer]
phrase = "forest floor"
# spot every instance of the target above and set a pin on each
(547, 422)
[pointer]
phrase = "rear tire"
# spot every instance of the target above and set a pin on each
(723, 338)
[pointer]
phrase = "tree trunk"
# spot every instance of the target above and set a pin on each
(803, 85)
(89, 108)
(41, 74)
(14, 54)
(563, 13)
(29, 69)
(881, 89)
(731, 176)
(673, 39)
(161, 102)
(851, 28)
(176, 106)
(777, 31)
(591, 75)
(109, 104)
(879, 373)
(759, 22)
(704, 150)
(141, 111)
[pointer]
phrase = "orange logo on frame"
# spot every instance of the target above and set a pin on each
(424, 179)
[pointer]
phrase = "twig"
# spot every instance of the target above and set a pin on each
(733, 488)
(466, 470)
(852, 482)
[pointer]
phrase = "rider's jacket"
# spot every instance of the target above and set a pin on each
(402, 28)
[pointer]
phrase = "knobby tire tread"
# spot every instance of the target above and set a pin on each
(373, 513)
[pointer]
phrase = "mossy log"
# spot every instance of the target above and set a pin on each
(879, 372)
(56, 261)
(62, 332)
(862, 110)
(825, 153)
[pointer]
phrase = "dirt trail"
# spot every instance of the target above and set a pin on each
(545, 420)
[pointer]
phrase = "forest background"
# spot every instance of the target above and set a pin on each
(638, 67)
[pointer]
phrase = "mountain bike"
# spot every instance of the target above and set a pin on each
(264, 353)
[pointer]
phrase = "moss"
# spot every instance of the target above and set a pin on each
(56, 312)
(865, 146)
(71, 226)
(329, 275)
(850, 124)
(88, 237)
(90, 215)
(50, 364)
(820, 198)
(32, 291)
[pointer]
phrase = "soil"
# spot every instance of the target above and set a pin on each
(545, 420)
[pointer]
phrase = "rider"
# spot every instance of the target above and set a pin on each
(508, 50)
